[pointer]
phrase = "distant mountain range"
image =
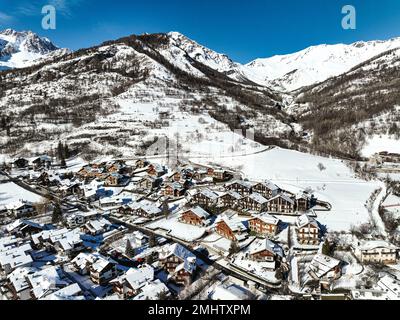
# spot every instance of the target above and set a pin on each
(326, 93)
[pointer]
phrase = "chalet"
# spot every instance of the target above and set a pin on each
(230, 228)
(308, 230)
(220, 174)
(80, 218)
(115, 167)
(145, 209)
(253, 202)
(265, 251)
(205, 197)
(42, 162)
(73, 292)
(323, 269)
(100, 268)
(24, 228)
(152, 291)
(64, 241)
(210, 172)
(91, 172)
(140, 163)
(303, 202)
(267, 189)
(377, 252)
(20, 209)
(131, 283)
(97, 227)
(116, 180)
(229, 199)
(281, 203)
(240, 186)
(174, 190)
(156, 170)
(175, 177)
(45, 281)
(179, 262)
(20, 163)
(148, 183)
(200, 174)
(73, 189)
(264, 225)
(195, 216)
(12, 258)
(48, 178)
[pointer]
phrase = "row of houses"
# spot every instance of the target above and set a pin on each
(239, 195)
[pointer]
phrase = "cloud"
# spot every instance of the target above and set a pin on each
(5, 18)
(65, 6)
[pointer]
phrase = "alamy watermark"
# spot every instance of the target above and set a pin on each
(49, 21)
(349, 21)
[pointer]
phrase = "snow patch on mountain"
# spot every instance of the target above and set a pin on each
(21, 49)
(314, 64)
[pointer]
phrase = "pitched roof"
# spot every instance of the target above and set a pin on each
(305, 220)
(266, 244)
(267, 218)
(199, 211)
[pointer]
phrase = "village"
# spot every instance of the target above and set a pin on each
(137, 229)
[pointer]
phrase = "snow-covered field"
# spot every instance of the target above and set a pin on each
(177, 229)
(379, 143)
(10, 192)
(329, 179)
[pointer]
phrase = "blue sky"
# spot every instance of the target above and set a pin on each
(243, 29)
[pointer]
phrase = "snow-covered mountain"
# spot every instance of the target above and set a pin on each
(21, 49)
(314, 64)
(107, 97)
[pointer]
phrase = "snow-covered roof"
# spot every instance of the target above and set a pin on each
(137, 278)
(270, 185)
(209, 193)
(18, 204)
(266, 244)
(97, 225)
(371, 245)
(18, 223)
(283, 197)
(229, 292)
(233, 194)
(44, 280)
(71, 292)
(151, 291)
(267, 218)
(391, 286)
(17, 256)
(199, 211)
(257, 198)
(18, 278)
(305, 220)
(177, 250)
(322, 264)
(234, 223)
(66, 238)
(243, 183)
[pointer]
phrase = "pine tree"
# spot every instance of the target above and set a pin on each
(57, 214)
(326, 248)
(234, 248)
(165, 209)
(129, 250)
(152, 241)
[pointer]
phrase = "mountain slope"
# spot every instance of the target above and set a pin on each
(314, 64)
(20, 49)
(89, 97)
(344, 110)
